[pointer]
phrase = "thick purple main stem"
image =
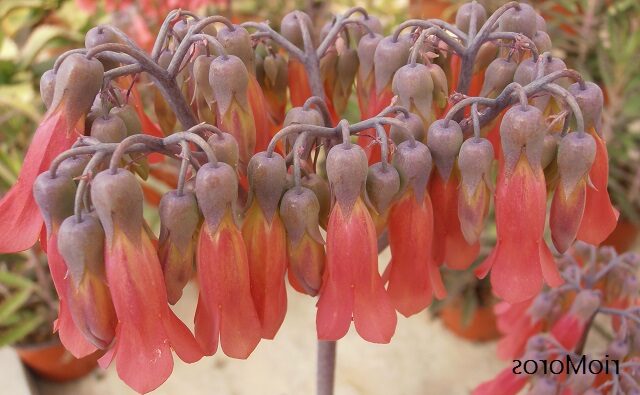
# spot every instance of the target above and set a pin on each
(326, 367)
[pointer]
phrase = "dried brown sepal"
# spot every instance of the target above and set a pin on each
(414, 164)
(179, 217)
(109, 129)
(201, 67)
(522, 130)
(179, 223)
(47, 87)
(474, 161)
(576, 153)
(290, 28)
(463, 16)
(347, 68)
(372, 22)
(181, 28)
(238, 42)
(117, 199)
(54, 197)
(413, 85)
(498, 75)
(267, 180)
(444, 139)
(522, 19)
(298, 115)
(300, 210)
(78, 81)
(542, 41)
(414, 125)
(320, 187)
(229, 80)
(347, 172)
(526, 72)
(101, 35)
(81, 244)
(590, 100)
(216, 192)
(130, 118)
(549, 149)
(366, 52)
(388, 57)
(74, 166)
(225, 147)
(440, 85)
(383, 184)
(486, 54)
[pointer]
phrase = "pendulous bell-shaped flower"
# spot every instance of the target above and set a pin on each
(449, 246)
(576, 153)
(271, 73)
(266, 241)
(54, 196)
(353, 289)
(179, 224)
(225, 312)
(147, 329)
(600, 217)
(300, 210)
(474, 194)
(229, 80)
(413, 275)
(521, 259)
(77, 81)
(290, 28)
(81, 245)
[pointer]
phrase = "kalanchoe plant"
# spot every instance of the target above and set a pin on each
(598, 300)
(253, 191)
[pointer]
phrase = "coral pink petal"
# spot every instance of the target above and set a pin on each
(483, 269)
(336, 302)
(505, 383)
(600, 217)
(516, 274)
(143, 358)
(549, 267)
(70, 336)
(373, 313)
(207, 328)
(410, 225)
(181, 339)
(223, 272)
(567, 331)
(108, 356)
(436, 281)
(20, 219)
(266, 246)
(512, 345)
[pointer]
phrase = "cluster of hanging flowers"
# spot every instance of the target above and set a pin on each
(600, 287)
(253, 194)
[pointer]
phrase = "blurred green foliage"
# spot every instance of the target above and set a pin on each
(32, 34)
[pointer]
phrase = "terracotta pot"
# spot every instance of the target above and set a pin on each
(53, 362)
(623, 236)
(482, 326)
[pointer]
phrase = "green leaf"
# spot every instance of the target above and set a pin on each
(20, 331)
(7, 6)
(469, 307)
(14, 302)
(39, 39)
(13, 280)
